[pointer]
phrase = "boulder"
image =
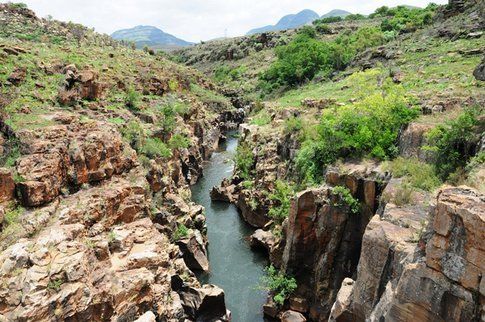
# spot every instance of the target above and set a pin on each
(262, 239)
(194, 252)
(251, 210)
(205, 304)
(479, 72)
(292, 316)
(7, 185)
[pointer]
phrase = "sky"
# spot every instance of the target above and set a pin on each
(195, 20)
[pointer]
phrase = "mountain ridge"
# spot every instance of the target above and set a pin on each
(145, 35)
(290, 21)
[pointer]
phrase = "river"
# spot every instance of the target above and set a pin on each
(234, 266)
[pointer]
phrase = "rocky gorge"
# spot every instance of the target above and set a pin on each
(133, 188)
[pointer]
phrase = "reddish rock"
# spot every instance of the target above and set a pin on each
(7, 185)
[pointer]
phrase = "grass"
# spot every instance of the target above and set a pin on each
(418, 174)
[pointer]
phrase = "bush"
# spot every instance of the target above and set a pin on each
(405, 19)
(346, 198)
(281, 195)
(181, 232)
(454, 143)
(224, 73)
(154, 147)
(132, 98)
(178, 141)
(305, 56)
(355, 17)
(293, 125)
(280, 285)
(328, 20)
(244, 161)
(366, 129)
(418, 174)
(134, 134)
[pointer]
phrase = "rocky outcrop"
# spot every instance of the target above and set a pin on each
(324, 236)
(479, 72)
(68, 155)
(194, 253)
(412, 139)
(202, 304)
(7, 185)
(436, 279)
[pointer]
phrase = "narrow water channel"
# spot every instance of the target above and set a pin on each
(234, 266)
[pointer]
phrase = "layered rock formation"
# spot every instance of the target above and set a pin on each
(436, 280)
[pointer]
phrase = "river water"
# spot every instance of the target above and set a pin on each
(233, 265)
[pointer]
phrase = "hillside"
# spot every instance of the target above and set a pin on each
(99, 145)
(150, 36)
(289, 22)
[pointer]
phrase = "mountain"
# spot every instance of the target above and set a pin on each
(150, 36)
(289, 22)
(336, 13)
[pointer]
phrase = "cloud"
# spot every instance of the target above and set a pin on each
(195, 20)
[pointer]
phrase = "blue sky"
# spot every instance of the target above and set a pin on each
(195, 20)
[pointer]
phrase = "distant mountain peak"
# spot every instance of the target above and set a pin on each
(289, 22)
(143, 35)
(336, 13)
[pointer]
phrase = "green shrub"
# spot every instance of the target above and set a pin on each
(244, 161)
(132, 98)
(327, 20)
(293, 125)
(178, 141)
(181, 232)
(346, 198)
(154, 147)
(281, 195)
(405, 19)
(355, 17)
(12, 214)
(454, 143)
(224, 73)
(134, 134)
(305, 56)
(419, 174)
(366, 129)
(280, 285)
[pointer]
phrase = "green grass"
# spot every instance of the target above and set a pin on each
(418, 174)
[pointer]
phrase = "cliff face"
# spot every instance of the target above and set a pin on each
(437, 280)
(99, 145)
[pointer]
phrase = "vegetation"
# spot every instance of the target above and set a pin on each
(454, 143)
(346, 198)
(305, 56)
(281, 196)
(178, 141)
(280, 285)
(418, 174)
(244, 161)
(260, 119)
(405, 19)
(132, 98)
(181, 232)
(155, 148)
(223, 73)
(368, 128)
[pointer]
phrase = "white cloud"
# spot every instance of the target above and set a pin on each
(195, 20)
